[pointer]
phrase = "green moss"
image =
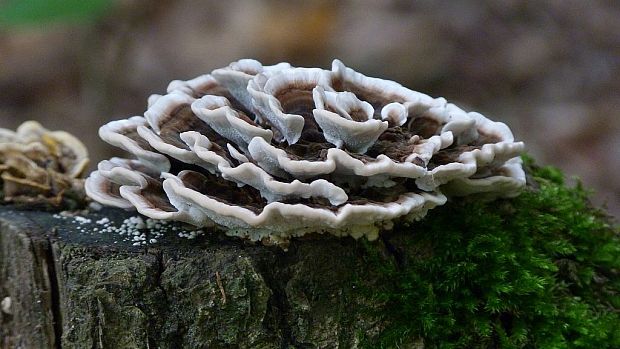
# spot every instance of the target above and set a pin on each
(538, 271)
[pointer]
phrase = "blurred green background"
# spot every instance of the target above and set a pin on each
(550, 69)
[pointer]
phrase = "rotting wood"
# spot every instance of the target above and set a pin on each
(72, 287)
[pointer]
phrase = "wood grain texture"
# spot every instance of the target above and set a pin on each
(72, 289)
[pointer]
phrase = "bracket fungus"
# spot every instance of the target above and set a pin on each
(272, 152)
(41, 167)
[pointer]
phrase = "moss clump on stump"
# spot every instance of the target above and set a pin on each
(538, 271)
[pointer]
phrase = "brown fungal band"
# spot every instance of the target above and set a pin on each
(271, 152)
(43, 168)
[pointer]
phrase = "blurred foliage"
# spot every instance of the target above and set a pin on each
(538, 271)
(34, 12)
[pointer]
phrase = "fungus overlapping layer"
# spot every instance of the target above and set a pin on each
(41, 167)
(279, 151)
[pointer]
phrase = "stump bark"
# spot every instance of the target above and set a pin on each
(64, 285)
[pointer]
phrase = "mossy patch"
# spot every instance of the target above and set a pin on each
(538, 271)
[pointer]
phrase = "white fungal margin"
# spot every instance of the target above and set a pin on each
(274, 152)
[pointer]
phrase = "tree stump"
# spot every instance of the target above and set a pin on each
(540, 270)
(65, 285)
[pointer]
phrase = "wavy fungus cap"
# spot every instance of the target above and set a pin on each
(41, 167)
(278, 151)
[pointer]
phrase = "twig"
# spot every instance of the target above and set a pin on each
(219, 284)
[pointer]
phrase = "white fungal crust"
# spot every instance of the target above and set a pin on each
(337, 161)
(272, 152)
(238, 74)
(217, 112)
(283, 220)
(195, 87)
(345, 120)
(279, 97)
(124, 134)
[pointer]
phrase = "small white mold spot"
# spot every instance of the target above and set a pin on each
(5, 305)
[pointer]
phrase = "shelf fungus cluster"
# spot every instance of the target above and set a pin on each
(42, 168)
(271, 152)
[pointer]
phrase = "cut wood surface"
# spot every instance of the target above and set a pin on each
(66, 285)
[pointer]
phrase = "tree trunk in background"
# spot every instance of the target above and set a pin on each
(62, 288)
